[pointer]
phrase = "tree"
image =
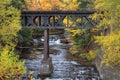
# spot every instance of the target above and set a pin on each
(10, 67)
(52, 4)
(84, 4)
(48, 4)
(9, 24)
(19, 4)
(107, 17)
(69, 5)
(41, 4)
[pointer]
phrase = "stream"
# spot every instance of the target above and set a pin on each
(64, 69)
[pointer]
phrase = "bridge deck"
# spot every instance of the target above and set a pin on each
(59, 12)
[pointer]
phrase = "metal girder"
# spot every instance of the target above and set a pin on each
(57, 19)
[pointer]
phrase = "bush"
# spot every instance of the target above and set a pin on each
(73, 50)
(25, 35)
(110, 46)
(10, 67)
(89, 56)
(81, 40)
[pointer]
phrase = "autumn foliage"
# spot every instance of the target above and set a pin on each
(10, 66)
(52, 4)
(107, 17)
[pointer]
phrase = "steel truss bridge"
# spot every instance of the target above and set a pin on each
(57, 20)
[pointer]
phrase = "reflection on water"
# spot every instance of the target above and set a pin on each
(64, 69)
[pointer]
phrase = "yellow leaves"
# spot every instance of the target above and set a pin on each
(91, 55)
(100, 4)
(9, 25)
(66, 1)
(96, 16)
(75, 32)
(110, 45)
(69, 23)
(10, 67)
(42, 4)
(95, 29)
(111, 59)
(4, 53)
(73, 50)
(30, 75)
(110, 12)
(53, 4)
(69, 5)
(109, 18)
(32, 4)
(74, 1)
(109, 40)
(46, 5)
(5, 2)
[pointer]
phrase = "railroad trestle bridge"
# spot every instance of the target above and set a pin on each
(57, 20)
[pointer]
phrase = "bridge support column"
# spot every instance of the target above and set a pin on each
(46, 44)
(46, 66)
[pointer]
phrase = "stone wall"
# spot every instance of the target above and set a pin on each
(106, 73)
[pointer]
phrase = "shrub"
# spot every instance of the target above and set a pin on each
(73, 50)
(10, 67)
(89, 56)
(25, 35)
(81, 40)
(110, 46)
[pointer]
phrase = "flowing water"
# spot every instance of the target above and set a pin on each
(64, 69)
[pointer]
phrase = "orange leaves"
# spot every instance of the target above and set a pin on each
(42, 4)
(31, 4)
(48, 4)
(52, 4)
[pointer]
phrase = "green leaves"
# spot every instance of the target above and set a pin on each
(83, 39)
(25, 35)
